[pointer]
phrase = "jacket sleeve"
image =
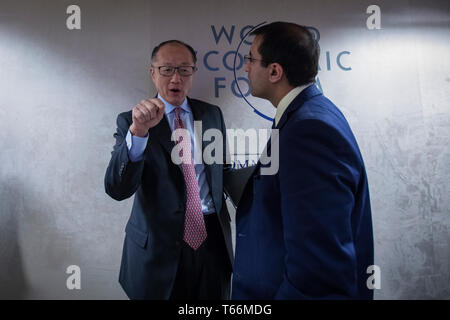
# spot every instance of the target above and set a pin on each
(122, 177)
(317, 175)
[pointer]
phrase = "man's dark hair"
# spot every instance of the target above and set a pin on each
(162, 44)
(293, 47)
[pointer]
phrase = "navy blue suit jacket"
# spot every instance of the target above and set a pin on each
(306, 231)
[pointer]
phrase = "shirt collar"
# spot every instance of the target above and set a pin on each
(286, 101)
(169, 108)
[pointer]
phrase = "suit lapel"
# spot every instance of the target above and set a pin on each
(163, 134)
(200, 114)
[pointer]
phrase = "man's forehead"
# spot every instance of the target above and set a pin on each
(174, 50)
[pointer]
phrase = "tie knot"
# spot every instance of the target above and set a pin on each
(178, 112)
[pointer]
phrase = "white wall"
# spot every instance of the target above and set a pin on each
(61, 90)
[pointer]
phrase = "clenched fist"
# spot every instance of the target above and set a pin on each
(146, 115)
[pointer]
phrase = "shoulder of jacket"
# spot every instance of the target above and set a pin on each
(201, 103)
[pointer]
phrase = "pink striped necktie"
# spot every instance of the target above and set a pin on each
(194, 224)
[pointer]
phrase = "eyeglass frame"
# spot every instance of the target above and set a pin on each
(249, 59)
(177, 69)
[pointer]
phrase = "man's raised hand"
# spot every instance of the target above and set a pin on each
(147, 114)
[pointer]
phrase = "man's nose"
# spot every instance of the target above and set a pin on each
(175, 77)
(246, 67)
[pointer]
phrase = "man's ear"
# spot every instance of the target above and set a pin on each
(152, 73)
(275, 72)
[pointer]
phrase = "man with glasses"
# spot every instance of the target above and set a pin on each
(304, 232)
(178, 238)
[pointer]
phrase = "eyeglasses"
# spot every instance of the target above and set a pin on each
(249, 59)
(184, 71)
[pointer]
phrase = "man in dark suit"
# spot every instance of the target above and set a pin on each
(304, 232)
(178, 238)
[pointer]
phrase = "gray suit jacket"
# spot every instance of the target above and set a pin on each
(154, 232)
